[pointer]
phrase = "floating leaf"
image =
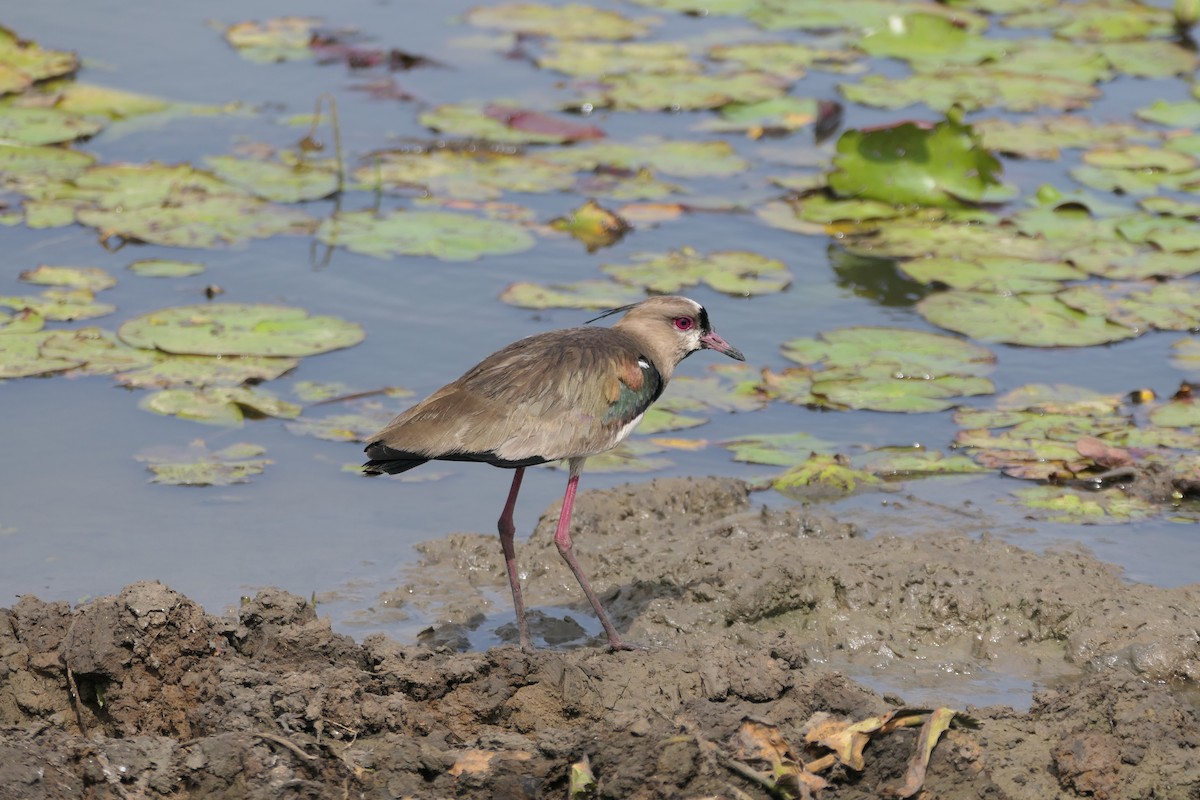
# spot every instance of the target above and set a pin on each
(593, 225)
(914, 462)
(891, 369)
(776, 449)
(897, 165)
(725, 387)
(972, 88)
(927, 40)
(474, 122)
(101, 351)
(61, 304)
(92, 278)
(1139, 306)
(997, 274)
(681, 159)
(822, 475)
(290, 180)
(209, 222)
(470, 175)
(183, 370)
(443, 235)
(36, 126)
(597, 59)
(341, 427)
(1045, 136)
(592, 294)
(735, 272)
(643, 91)
(1111, 506)
(26, 63)
(89, 99)
(196, 466)
(657, 420)
(1036, 320)
(571, 21)
(636, 455)
(21, 356)
(221, 329)
(278, 39)
(24, 163)
(776, 115)
(219, 405)
(166, 268)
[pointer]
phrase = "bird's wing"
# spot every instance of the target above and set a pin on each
(559, 395)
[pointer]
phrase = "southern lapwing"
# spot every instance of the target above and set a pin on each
(565, 394)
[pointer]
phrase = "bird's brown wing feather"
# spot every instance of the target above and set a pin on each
(557, 395)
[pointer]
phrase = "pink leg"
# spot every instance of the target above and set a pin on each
(507, 531)
(562, 539)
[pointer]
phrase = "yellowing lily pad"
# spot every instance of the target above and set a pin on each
(593, 225)
(1111, 506)
(92, 278)
(219, 405)
(735, 272)
(443, 235)
(165, 268)
(592, 294)
(26, 63)
(823, 476)
(221, 329)
(570, 21)
(273, 40)
(196, 466)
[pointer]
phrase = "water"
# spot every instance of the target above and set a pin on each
(78, 518)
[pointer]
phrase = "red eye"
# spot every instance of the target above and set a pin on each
(684, 323)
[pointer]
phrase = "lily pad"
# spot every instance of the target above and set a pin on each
(37, 126)
(224, 329)
(21, 356)
(591, 294)
(469, 175)
(101, 351)
(171, 371)
(998, 274)
(898, 165)
(209, 222)
(570, 21)
(475, 122)
(1173, 307)
(61, 304)
(658, 420)
(725, 387)
(26, 63)
(165, 268)
(891, 369)
(90, 99)
(680, 159)
(92, 278)
(647, 91)
(1111, 506)
(593, 225)
(1044, 137)
(274, 40)
(632, 455)
(823, 476)
(915, 462)
(23, 163)
(776, 449)
(341, 427)
(597, 59)
(443, 235)
(219, 405)
(1035, 320)
(973, 89)
(196, 466)
(931, 41)
(735, 272)
(290, 180)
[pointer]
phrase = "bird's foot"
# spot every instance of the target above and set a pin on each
(617, 645)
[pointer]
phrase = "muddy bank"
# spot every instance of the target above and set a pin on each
(750, 614)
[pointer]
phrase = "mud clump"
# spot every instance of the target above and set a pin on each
(144, 695)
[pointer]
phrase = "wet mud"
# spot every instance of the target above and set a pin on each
(745, 613)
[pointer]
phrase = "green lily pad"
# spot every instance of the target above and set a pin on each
(891, 369)
(1172, 207)
(208, 222)
(23, 163)
(792, 385)
(239, 329)
(897, 165)
(735, 272)
(823, 476)
(1108, 507)
(1174, 307)
(165, 268)
(914, 462)
(915, 238)
(173, 371)
(1098, 21)
(92, 278)
(570, 21)
(21, 356)
(929, 40)
(725, 387)
(61, 304)
(196, 466)
(780, 114)
(469, 175)
(473, 122)
(443, 235)
(643, 91)
(319, 391)
(591, 294)
(973, 89)
(36, 126)
(786, 59)
(1150, 59)
(92, 100)
(1169, 234)
(101, 352)
(854, 14)
(658, 420)
(1035, 320)
(219, 405)
(274, 40)
(1178, 114)
(290, 180)
(680, 159)
(1179, 413)
(24, 321)
(998, 274)
(776, 449)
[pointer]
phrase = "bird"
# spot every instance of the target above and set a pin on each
(559, 395)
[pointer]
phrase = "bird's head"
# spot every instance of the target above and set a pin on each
(672, 328)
